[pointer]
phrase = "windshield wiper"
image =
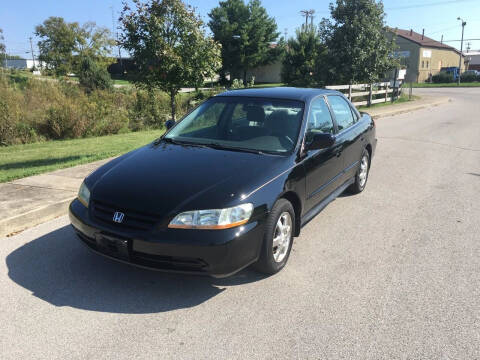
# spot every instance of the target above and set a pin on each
(169, 140)
(232, 148)
(177, 142)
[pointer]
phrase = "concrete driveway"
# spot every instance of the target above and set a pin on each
(393, 273)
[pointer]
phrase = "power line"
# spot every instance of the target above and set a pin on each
(446, 29)
(437, 3)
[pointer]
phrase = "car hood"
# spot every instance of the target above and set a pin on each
(164, 178)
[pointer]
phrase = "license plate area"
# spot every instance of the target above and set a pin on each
(112, 246)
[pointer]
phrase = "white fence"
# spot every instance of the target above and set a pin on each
(371, 93)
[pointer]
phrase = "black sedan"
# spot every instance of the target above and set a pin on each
(229, 185)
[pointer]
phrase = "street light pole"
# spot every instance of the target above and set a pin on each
(461, 51)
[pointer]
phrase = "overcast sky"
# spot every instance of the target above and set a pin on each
(19, 18)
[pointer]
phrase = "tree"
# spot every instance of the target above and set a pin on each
(246, 34)
(93, 76)
(57, 44)
(304, 56)
(167, 41)
(358, 50)
(63, 45)
(95, 43)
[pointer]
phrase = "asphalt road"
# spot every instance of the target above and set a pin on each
(393, 273)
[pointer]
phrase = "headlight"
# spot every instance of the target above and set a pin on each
(84, 194)
(213, 219)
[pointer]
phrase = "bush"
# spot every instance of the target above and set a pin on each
(92, 76)
(35, 110)
(470, 77)
(442, 77)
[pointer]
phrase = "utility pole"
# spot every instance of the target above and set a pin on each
(33, 55)
(115, 35)
(461, 51)
(4, 67)
(307, 14)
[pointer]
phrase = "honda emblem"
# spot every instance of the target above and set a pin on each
(118, 217)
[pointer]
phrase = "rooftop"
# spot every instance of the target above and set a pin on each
(422, 40)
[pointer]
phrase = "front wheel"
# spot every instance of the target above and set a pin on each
(361, 176)
(278, 238)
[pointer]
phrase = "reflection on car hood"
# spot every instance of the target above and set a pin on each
(159, 179)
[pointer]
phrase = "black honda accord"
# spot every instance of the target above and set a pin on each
(229, 185)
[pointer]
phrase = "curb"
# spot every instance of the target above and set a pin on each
(16, 224)
(393, 112)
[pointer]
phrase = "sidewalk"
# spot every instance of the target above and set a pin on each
(424, 102)
(33, 200)
(30, 201)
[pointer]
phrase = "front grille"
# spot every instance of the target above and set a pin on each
(132, 219)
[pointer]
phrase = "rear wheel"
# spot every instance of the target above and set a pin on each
(278, 238)
(361, 176)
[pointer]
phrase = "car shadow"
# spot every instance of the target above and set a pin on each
(60, 270)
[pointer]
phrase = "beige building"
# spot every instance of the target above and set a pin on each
(422, 55)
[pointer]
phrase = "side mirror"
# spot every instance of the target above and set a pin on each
(321, 141)
(169, 124)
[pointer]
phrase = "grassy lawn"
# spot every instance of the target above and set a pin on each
(402, 99)
(121, 82)
(433, 85)
(19, 161)
(267, 85)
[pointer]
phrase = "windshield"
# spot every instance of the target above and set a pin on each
(260, 124)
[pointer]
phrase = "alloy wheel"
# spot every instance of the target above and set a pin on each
(282, 237)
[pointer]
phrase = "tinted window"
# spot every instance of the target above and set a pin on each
(342, 112)
(319, 119)
(251, 123)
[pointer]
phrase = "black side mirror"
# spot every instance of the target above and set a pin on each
(320, 141)
(169, 124)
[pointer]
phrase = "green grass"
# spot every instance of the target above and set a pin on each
(267, 85)
(19, 161)
(121, 82)
(402, 99)
(433, 85)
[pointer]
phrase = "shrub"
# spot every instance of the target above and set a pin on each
(237, 84)
(470, 77)
(92, 76)
(35, 110)
(442, 77)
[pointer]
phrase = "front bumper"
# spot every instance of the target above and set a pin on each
(218, 253)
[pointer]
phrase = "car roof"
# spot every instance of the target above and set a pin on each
(290, 93)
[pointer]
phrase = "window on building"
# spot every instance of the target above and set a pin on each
(427, 64)
(423, 64)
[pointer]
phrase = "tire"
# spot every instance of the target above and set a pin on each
(361, 176)
(273, 258)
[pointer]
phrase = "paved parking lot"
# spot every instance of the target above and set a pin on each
(393, 273)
